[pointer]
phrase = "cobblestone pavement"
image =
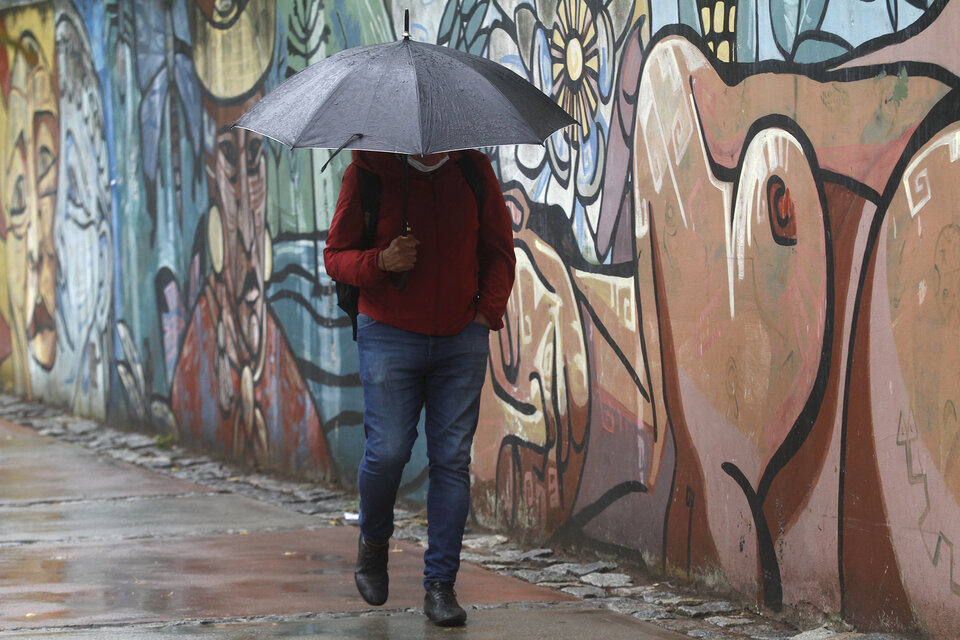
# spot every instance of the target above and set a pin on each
(600, 582)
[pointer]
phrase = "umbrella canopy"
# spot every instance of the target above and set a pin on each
(405, 97)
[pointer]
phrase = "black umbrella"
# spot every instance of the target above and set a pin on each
(405, 97)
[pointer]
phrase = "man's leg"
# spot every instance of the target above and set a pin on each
(393, 394)
(458, 368)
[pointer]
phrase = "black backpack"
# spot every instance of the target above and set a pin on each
(348, 295)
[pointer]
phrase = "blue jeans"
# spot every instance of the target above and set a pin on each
(401, 372)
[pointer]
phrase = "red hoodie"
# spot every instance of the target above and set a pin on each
(465, 261)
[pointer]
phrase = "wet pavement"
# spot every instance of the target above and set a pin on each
(529, 624)
(107, 534)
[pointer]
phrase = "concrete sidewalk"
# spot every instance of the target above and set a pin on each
(93, 547)
(111, 534)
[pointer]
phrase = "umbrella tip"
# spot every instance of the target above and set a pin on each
(406, 24)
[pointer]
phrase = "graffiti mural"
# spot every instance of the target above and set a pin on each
(236, 384)
(716, 302)
(57, 212)
(31, 150)
(160, 194)
(731, 347)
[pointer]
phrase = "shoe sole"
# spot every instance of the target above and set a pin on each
(456, 621)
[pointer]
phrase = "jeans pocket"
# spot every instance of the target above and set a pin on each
(364, 321)
(475, 324)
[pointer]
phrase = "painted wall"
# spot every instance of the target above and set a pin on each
(733, 342)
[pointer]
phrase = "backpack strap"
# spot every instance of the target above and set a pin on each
(370, 203)
(471, 173)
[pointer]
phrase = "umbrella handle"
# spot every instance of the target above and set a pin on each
(404, 227)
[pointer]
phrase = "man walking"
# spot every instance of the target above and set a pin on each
(428, 299)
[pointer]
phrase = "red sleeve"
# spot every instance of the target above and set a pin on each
(495, 250)
(343, 258)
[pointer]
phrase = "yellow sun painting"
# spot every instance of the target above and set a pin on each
(576, 61)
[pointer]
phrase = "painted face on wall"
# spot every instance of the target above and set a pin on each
(238, 174)
(82, 234)
(30, 155)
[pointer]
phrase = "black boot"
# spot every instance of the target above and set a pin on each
(440, 605)
(371, 572)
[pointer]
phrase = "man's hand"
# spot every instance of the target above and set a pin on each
(482, 319)
(401, 255)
